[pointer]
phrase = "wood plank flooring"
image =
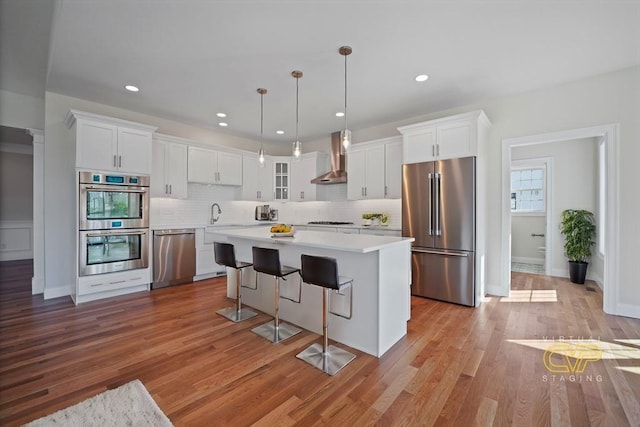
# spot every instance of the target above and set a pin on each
(457, 366)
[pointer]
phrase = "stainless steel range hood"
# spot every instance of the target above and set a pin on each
(338, 174)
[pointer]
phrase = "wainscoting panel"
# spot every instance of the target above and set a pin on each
(16, 240)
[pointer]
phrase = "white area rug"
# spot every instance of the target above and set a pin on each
(127, 405)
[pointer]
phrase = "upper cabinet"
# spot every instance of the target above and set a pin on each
(257, 181)
(303, 170)
(446, 138)
(281, 178)
(169, 167)
(374, 169)
(108, 144)
(393, 168)
(207, 166)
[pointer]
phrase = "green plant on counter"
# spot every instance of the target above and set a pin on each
(383, 218)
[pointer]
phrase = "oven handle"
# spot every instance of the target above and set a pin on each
(115, 233)
(117, 189)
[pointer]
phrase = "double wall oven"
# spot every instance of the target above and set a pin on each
(113, 222)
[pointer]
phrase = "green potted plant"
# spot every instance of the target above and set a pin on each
(578, 228)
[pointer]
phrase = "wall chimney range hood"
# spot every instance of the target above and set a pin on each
(338, 174)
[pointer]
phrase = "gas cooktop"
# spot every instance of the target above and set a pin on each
(330, 223)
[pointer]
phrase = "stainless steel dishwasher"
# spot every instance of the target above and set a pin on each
(174, 257)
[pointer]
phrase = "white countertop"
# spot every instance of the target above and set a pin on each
(360, 243)
(357, 226)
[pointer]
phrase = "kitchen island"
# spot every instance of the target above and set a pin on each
(379, 265)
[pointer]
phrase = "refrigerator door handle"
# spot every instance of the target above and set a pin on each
(436, 204)
(430, 204)
(435, 252)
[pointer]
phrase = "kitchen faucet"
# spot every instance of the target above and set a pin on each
(213, 218)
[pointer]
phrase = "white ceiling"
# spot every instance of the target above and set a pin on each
(194, 58)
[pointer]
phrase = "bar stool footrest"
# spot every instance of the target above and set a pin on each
(268, 331)
(234, 315)
(331, 362)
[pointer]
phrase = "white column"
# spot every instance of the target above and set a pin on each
(38, 280)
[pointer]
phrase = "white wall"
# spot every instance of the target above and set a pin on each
(573, 185)
(608, 98)
(599, 100)
(21, 111)
(524, 247)
(16, 186)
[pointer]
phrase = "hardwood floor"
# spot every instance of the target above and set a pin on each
(457, 366)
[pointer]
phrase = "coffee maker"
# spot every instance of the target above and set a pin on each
(265, 213)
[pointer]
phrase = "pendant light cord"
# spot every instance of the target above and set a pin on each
(297, 81)
(345, 91)
(261, 117)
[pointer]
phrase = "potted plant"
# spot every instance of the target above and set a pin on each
(579, 230)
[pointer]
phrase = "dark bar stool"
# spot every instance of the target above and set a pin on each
(267, 261)
(323, 272)
(225, 255)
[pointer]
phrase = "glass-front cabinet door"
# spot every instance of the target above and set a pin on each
(281, 180)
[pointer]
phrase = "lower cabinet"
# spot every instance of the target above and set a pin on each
(206, 265)
(381, 232)
(100, 286)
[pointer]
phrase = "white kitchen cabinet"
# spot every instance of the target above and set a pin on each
(303, 170)
(257, 181)
(169, 168)
(206, 265)
(365, 171)
(347, 230)
(207, 166)
(281, 178)
(393, 169)
(376, 231)
(109, 144)
(445, 138)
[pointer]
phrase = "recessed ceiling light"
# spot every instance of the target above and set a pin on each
(339, 114)
(280, 132)
(223, 124)
(131, 88)
(221, 115)
(422, 78)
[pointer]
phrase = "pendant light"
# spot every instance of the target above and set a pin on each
(262, 92)
(297, 145)
(345, 135)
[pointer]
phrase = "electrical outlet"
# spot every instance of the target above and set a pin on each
(3, 245)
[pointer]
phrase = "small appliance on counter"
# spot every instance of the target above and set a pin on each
(265, 213)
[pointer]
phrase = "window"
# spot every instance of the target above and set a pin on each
(528, 190)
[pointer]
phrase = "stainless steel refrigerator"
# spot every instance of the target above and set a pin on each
(439, 211)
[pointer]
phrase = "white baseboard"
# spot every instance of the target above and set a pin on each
(628, 310)
(57, 292)
(496, 290)
(37, 285)
(527, 260)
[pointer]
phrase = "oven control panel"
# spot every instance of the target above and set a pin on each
(111, 179)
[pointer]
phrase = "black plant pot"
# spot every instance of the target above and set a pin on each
(578, 271)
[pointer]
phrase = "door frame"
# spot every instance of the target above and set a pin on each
(548, 192)
(611, 136)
